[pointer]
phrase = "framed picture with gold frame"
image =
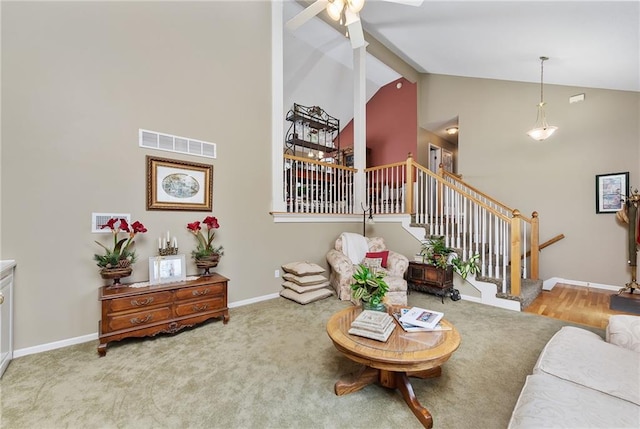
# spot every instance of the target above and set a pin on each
(179, 185)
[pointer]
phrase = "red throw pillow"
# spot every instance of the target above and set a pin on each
(383, 255)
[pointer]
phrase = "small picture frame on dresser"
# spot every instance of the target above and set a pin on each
(167, 269)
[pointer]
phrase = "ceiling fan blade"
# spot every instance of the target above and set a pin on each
(407, 2)
(306, 14)
(356, 35)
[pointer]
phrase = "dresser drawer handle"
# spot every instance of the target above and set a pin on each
(202, 307)
(137, 303)
(200, 292)
(136, 321)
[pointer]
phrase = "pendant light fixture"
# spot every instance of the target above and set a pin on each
(541, 130)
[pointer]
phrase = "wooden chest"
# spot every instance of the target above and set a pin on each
(429, 278)
(167, 308)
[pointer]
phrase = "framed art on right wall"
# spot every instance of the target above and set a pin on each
(611, 191)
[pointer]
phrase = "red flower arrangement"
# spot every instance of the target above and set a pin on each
(205, 244)
(121, 255)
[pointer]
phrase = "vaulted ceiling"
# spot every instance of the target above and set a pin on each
(592, 44)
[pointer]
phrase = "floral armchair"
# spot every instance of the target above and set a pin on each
(341, 271)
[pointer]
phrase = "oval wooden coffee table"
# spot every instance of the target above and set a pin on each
(391, 363)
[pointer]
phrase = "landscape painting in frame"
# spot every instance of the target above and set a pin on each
(611, 191)
(179, 185)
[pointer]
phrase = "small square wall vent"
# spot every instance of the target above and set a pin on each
(170, 143)
(98, 220)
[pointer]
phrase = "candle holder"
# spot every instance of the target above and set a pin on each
(168, 250)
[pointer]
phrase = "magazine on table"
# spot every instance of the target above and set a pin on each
(412, 328)
(422, 317)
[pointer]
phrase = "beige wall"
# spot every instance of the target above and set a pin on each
(556, 178)
(78, 81)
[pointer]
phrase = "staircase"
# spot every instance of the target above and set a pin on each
(529, 288)
(471, 222)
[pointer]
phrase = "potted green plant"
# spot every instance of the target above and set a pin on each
(369, 287)
(435, 252)
(464, 268)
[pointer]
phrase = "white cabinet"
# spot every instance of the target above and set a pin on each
(6, 313)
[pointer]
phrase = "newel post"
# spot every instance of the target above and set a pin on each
(535, 246)
(516, 254)
(409, 185)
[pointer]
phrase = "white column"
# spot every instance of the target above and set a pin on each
(277, 106)
(359, 125)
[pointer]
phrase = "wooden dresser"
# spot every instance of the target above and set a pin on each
(166, 308)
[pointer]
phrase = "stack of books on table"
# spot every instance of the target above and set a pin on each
(397, 314)
(373, 324)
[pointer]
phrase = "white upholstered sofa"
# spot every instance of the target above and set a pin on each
(582, 381)
(342, 269)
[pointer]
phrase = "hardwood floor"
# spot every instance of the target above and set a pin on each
(583, 305)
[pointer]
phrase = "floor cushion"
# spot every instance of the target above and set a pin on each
(307, 297)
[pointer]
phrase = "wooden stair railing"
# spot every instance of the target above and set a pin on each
(546, 244)
(468, 218)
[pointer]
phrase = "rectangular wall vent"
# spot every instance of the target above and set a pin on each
(169, 143)
(100, 219)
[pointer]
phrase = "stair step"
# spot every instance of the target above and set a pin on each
(529, 291)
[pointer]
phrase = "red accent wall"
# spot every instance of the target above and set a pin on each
(392, 124)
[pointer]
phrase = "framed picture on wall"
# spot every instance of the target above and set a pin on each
(179, 185)
(611, 191)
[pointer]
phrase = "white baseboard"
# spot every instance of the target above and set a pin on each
(253, 300)
(550, 283)
(54, 345)
(471, 298)
(92, 337)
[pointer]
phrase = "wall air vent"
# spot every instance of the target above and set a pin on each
(100, 219)
(167, 142)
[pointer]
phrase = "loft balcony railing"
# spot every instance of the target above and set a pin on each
(471, 221)
(317, 187)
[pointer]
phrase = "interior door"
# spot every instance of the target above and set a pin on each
(435, 155)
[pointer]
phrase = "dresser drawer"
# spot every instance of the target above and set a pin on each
(139, 301)
(138, 319)
(194, 307)
(200, 292)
